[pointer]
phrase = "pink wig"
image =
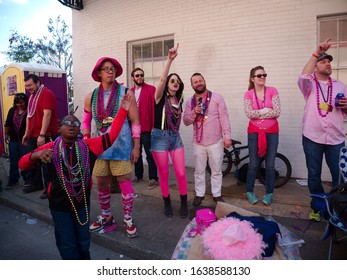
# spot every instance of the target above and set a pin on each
(232, 239)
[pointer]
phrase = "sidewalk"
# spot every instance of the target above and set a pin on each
(158, 235)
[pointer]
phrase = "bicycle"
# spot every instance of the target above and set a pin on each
(232, 156)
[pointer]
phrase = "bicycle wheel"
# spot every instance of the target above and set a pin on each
(226, 165)
(283, 170)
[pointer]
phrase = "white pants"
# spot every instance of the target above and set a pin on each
(214, 154)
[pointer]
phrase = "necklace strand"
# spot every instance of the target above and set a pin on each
(68, 186)
(329, 96)
(32, 104)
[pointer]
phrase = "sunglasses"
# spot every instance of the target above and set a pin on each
(172, 81)
(108, 69)
(260, 75)
(71, 123)
(139, 75)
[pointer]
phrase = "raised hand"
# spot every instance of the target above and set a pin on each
(173, 52)
(323, 47)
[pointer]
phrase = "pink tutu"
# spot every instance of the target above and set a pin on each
(232, 239)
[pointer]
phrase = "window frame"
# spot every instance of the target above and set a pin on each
(150, 76)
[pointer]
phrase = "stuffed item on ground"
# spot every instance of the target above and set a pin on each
(232, 239)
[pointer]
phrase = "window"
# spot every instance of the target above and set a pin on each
(150, 55)
(336, 29)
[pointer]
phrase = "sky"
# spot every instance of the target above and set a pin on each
(29, 18)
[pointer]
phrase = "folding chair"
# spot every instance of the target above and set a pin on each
(321, 202)
(334, 226)
(343, 165)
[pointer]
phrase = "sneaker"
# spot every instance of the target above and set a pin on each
(152, 184)
(27, 183)
(252, 198)
(44, 195)
(10, 185)
(130, 228)
(105, 224)
(267, 199)
(315, 216)
(197, 200)
(32, 189)
(137, 180)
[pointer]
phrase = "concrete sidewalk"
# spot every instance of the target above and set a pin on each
(158, 235)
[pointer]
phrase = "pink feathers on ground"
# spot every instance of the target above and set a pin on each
(232, 239)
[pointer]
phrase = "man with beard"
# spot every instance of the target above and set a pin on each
(144, 94)
(323, 126)
(208, 113)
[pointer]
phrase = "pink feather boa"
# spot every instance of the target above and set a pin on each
(247, 244)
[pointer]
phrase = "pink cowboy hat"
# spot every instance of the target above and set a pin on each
(100, 62)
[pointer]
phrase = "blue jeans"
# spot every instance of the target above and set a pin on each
(145, 142)
(314, 158)
(254, 159)
(72, 239)
(17, 150)
(165, 140)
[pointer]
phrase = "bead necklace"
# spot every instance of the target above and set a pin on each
(18, 119)
(100, 113)
(201, 118)
(326, 106)
(173, 116)
(32, 104)
(256, 98)
(82, 174)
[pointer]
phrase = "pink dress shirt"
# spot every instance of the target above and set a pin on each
(217, 124)
(323, 130)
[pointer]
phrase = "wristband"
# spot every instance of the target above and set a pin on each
(136, 130)
(315, 55)
(42, 136)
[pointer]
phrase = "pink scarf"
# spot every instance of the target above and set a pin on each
(262, 143)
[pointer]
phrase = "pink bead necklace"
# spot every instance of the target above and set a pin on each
(326, 106)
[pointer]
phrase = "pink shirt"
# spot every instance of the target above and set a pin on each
(217, 124)
(253, 105)
(323, 130)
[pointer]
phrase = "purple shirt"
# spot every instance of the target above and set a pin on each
(217, 124)
(323, 130)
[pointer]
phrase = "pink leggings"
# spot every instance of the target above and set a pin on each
(162, 161)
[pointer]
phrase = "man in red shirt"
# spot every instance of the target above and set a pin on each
(144, 94)
(42, 126)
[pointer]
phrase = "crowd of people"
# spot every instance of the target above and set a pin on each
(119, 122)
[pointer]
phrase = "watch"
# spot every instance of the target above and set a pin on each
(42, 135)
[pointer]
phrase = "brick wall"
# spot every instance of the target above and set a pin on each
(223, 40)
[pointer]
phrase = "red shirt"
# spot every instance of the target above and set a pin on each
(146, 107)
(46, 101)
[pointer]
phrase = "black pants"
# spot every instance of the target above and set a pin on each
(39, 174)
(145, 141)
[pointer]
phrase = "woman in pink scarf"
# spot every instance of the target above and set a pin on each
(262, 107)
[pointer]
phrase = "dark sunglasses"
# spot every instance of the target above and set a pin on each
(260, 75)
(139, 75)
(71, 123)
(172, 81)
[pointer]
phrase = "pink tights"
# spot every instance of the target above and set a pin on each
(162, 161)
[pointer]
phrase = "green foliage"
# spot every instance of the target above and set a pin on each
(54, 49)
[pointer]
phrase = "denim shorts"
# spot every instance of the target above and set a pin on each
(165, 140)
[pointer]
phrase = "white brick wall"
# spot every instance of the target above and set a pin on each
(223, 40)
